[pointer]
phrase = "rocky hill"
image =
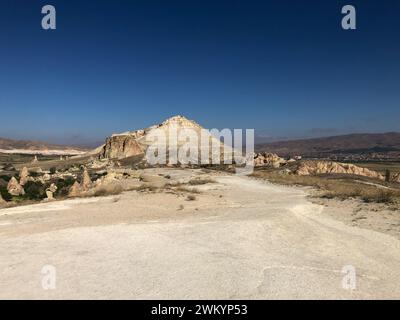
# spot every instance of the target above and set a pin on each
(37, 147)
(330, 167)
(380, 145)
(135, 143)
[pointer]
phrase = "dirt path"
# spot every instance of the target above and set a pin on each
(240, 238)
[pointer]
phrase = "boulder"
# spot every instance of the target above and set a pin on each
(14, 188)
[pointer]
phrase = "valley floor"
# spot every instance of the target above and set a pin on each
(240, 238)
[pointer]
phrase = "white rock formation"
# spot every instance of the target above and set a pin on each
(187, 132)
(86, 181)
(268, 160)
(14, 188)
(50, 192)
(75, 190)
(24, 176)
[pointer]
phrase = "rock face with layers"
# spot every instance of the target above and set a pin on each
(121, 146)
(134, 143)
(14, 188)
(330, 167)
(268, 160)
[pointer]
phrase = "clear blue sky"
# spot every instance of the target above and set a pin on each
(283, 67)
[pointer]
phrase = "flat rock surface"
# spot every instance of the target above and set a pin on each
(239, 238)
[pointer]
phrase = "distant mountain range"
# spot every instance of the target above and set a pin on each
(385, 144)
(37, 147)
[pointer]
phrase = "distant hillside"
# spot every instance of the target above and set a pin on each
(351, 144)
(36, 147)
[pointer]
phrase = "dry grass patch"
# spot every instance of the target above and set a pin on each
(108, 190)
(144, 187)
(201, 181)
(187, 189)
(191, 197)
(337, 187)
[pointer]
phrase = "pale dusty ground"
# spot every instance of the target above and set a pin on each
(353, 212)
(240, 238)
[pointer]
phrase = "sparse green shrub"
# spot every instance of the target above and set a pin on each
(380, 196)
(195, 182)
(5, 178)
(53, 170)
(34, 190)
(3, 183)
(4, 194)
(187, 189)
(63, 186)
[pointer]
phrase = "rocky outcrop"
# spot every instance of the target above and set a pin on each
(79, 189)
(86, 181)
(75, 190)
(121, 146)
(35, 159)
(24, 176)
(14, 188)
(268, 160)
(330, 167)
(186, 133)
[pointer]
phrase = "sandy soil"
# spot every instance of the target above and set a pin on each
(240, 238)
(374, 216)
